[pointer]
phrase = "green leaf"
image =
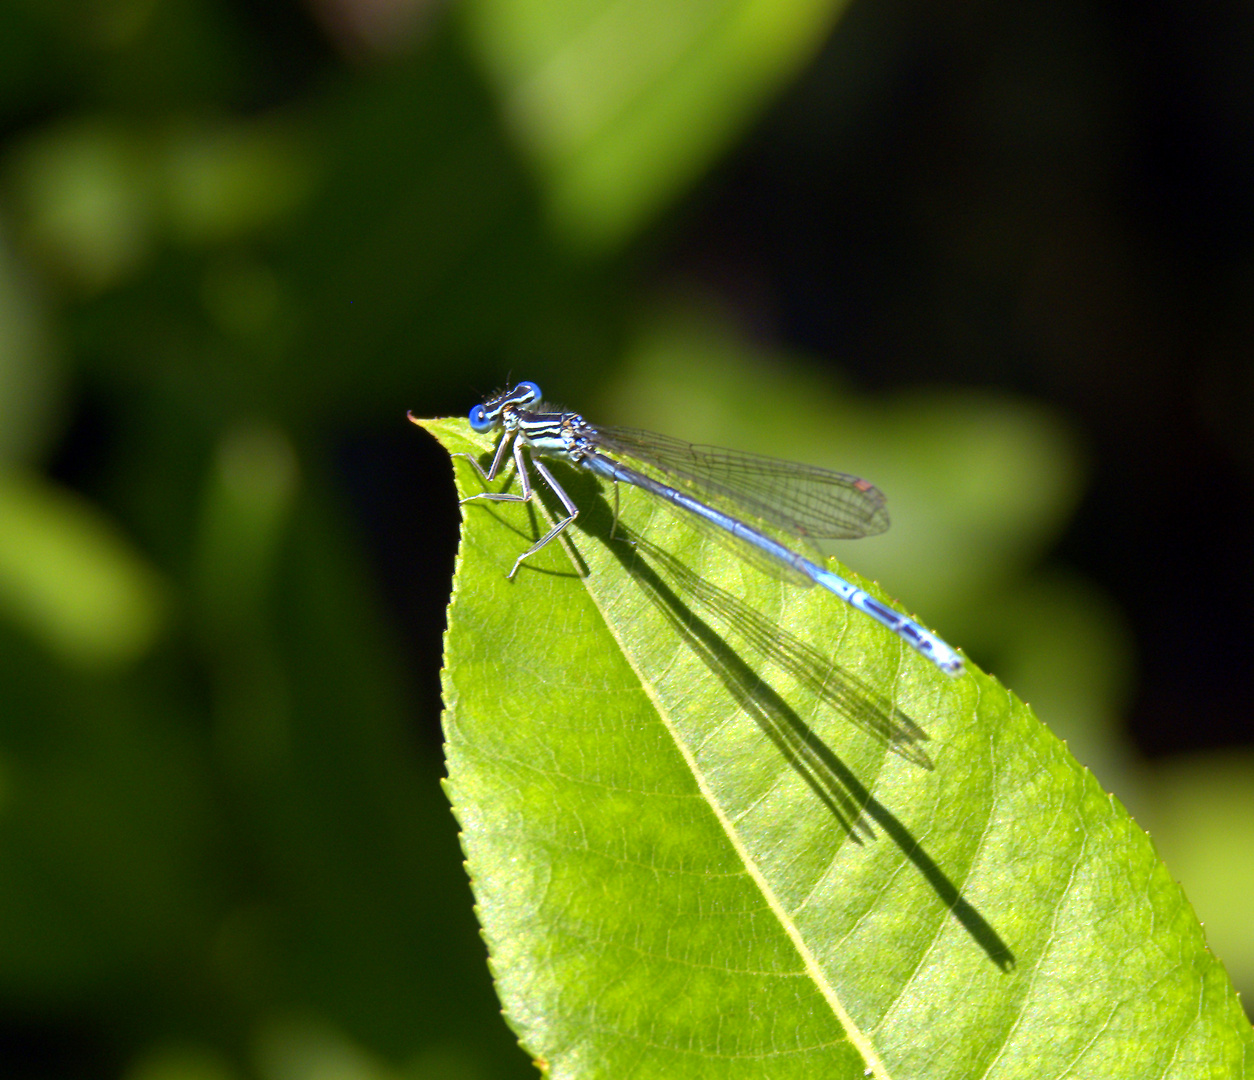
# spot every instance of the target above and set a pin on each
(1200, 808)
(70, 578)
(695, 853)
(621, 106)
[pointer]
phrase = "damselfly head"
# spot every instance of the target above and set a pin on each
(486, 416)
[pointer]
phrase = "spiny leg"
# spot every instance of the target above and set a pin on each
(490, 475)
(571, 509)
(524, 479)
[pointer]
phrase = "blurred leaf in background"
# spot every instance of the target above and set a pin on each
(236, 243)
(622, 106)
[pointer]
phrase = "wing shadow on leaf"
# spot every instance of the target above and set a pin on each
(841, 690)
(850, 802)
(846, 797)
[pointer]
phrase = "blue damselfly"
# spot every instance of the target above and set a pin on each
(803, 501)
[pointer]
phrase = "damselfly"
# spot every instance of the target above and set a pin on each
(800, 500)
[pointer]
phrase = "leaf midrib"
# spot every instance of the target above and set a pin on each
(859, 1038)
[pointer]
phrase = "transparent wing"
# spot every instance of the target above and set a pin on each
(803, 500)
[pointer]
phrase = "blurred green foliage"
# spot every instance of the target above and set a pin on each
(231, 244)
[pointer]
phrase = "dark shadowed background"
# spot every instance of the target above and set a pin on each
(997, 257)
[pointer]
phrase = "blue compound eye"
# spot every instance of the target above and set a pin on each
(529, 388)
(479, 419)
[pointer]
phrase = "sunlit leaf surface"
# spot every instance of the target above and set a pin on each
(697, 852)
